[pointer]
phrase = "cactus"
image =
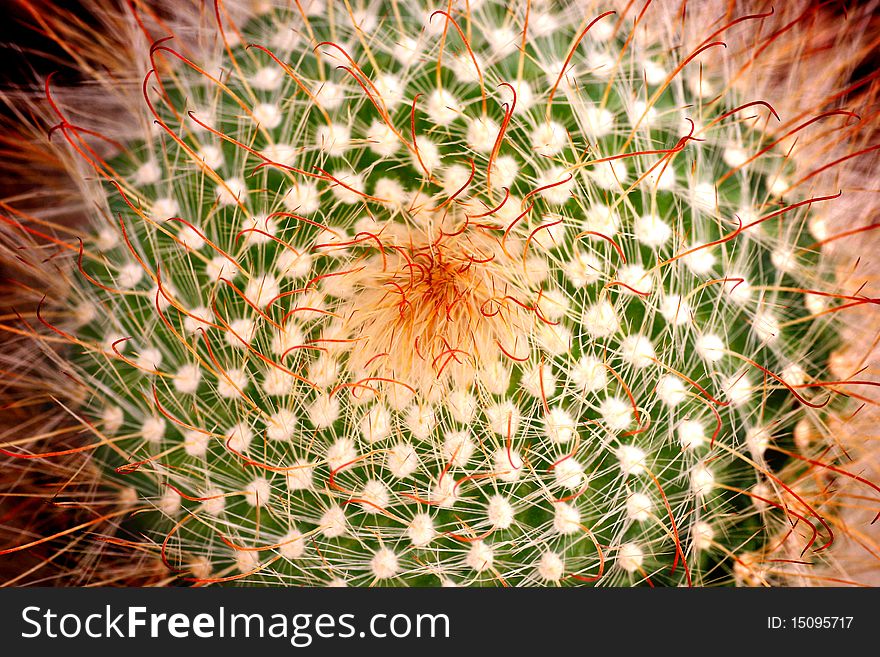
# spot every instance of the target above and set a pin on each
(398, 295)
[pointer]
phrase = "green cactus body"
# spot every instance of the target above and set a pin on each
(363, 318)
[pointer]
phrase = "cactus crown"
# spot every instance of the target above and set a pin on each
(397, 296)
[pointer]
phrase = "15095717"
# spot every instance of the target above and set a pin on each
(821, 622)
